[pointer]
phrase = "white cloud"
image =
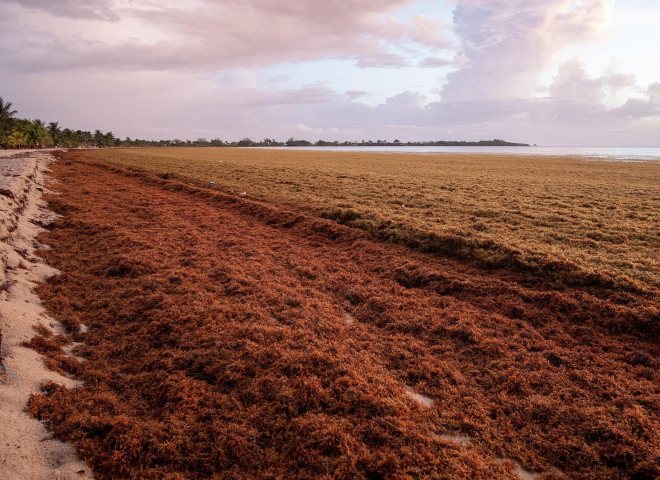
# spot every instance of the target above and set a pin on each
(381, 60)
(573, 82)
(508, 43)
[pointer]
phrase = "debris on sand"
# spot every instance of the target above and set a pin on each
(423, 400)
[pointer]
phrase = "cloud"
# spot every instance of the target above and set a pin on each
(81, 9)
(430, 32)
(422, 29)
(158, 105)
(573, 82)
(508, 43)
(171, 69)
(436, 62)
(353, 94)
(648, 107)
(381, 60)
(196, 36)
(308, 95)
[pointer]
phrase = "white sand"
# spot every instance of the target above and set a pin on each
(27, 452)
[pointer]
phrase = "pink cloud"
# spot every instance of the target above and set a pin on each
(508, 43)
(200, 37)
(430, 32)
(95, 9)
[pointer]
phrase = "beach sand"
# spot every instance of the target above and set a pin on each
(27, 451)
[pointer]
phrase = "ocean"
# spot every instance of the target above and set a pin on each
(625, 154)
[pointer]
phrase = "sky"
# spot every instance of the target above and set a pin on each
(549, 72)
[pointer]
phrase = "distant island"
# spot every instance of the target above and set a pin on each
(292, 142)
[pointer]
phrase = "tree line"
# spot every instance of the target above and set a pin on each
(23, 133)
(292, 142)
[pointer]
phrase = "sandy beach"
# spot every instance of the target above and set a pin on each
(27, 450)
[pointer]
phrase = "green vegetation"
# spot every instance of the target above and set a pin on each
(293, 142)
(24, 133)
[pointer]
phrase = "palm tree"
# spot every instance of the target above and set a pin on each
(98, 138)
(55, 132)
(17, 140)
(109, 139)
(6, 113)
(6, 120)
(36, 133)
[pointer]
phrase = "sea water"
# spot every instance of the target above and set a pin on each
(625, 154)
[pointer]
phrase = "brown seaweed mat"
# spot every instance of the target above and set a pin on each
(234, 339)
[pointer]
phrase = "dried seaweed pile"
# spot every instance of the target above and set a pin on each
(235, 340)
(579, 221)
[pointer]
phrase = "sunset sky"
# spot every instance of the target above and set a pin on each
(552, 72)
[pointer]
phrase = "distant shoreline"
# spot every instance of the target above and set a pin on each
(610, 154)
(247, 142)
(415, 144)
